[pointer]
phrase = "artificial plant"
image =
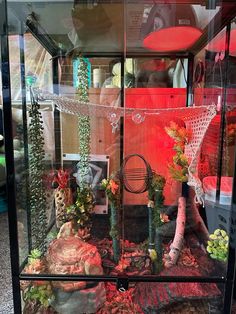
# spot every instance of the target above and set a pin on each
(36, 171)
(155, 218)
(112, 188)
(81, 211)
(179, 167)
(83, 122)
(37, 293)
(218, 244)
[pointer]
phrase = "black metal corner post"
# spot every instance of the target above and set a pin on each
(189, 83)
(121, 213)
(230, 277)
(122, 82)
(223, 114)
(25, 132)
(9, 155)
(189, 100)
(57, 121)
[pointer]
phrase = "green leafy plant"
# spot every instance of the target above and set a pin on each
(36, 185)
(40, 294)
(112, 189)
(156, 200)
(179, 167)
(155, 193)
(82, 210)
(34, 255)
(217, 246)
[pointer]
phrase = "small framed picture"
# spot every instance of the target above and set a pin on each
(98, 170)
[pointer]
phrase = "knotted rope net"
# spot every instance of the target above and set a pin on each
(196, 119)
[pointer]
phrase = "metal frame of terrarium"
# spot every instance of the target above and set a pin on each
(122, 281)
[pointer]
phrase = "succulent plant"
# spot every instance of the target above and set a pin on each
(36, 185)
(217, 246)
(43, 295)
(83, 122)
(34, 255)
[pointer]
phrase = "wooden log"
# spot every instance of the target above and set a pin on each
(171, 258)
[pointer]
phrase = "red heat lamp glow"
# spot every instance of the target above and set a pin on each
(172, 38)
(218, 44)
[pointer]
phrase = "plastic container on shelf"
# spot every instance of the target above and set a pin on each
(209, 186)
(218, 214)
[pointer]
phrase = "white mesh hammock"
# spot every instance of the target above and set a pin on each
(196, 119)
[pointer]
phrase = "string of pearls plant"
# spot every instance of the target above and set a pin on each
(83, 122)
(36, 171)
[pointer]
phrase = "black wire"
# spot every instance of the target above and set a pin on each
(181, 61)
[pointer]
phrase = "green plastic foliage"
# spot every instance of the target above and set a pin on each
(43, 295)
(36, 186)
(112, 189)
(218, 245)
(155, 193)
(34, 255)
(82, 210)
(83, 122)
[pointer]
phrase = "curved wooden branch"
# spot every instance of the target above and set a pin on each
(171, 258)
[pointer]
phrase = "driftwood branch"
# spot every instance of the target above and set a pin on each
(171, 258)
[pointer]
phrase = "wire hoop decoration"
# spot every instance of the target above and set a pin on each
(135, 174)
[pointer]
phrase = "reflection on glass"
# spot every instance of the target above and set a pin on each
(102, 298)
(3, 203)
(113, 172)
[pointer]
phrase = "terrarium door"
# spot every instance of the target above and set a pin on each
(109, 152)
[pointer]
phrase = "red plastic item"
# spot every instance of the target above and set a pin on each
(172, 38)
(218, 43)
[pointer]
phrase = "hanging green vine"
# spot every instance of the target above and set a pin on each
(36, 171)
(112, 188)
(83, 122)
(156, 200)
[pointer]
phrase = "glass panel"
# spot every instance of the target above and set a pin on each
(102, 298)
(19, 151)
(170, 126)
(133, 126)
(38, 72)
(3, 204)
(165, 27)
(81, 26)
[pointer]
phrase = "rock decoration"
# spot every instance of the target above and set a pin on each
(63, 199)
(88, 300)
(63, 195)
(67, 230)
(71, 255)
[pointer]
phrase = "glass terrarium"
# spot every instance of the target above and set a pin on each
(120, 127)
